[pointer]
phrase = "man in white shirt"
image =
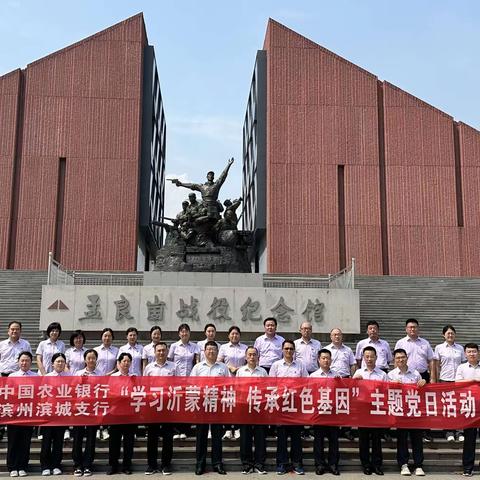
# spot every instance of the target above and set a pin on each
(250, 462)
(467, 372)
(403, 374)
(384, 354)
(307, 348)
(322, 431)
(160, 367)
(209, 368)
(366, 436)
(343, 363)
(269, 345)
(420, 357)
(289, 367)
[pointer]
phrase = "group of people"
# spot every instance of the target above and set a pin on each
(415, 362)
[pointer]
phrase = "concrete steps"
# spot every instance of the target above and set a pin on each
(440, 456)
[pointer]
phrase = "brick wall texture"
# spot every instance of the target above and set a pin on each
(81, 104)
(359, 168)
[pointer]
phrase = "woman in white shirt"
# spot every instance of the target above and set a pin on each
(20, 437)
(83, 460)
(210, 331)
(74, 355)
(148, 355)
(134, 349)
(117, 432)
(47, 348)
(51, 452)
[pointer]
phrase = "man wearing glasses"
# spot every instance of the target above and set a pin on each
(289, 367)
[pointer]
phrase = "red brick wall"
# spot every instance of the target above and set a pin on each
(83, 104)
(324, 112)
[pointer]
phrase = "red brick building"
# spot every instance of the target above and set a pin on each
(338, 164)
(82, 155)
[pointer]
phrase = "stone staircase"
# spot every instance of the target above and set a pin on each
(440, 456)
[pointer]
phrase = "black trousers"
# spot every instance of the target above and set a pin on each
(117, 432)
(468, 456)
(370, 437)
(250, 436)
(319, 435)
(296, 450)
(51, 453)
(154, 430)
(202, 442)
(83, 459)
(18, 449)
(416, 439)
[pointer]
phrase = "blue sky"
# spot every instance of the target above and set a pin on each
(206, 49)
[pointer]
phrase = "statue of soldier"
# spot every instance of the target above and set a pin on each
(209, 190)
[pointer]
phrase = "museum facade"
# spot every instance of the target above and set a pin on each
(82, 155)
(338, 164)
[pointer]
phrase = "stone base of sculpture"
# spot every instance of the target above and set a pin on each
(181, 257)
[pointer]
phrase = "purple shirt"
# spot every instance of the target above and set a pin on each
(419, 353)
(269, 349)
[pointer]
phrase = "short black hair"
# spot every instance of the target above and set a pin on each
(411, 320)
(75, 334)
(234, 327)
(155, 327)
(324, 350)
(131, 329)
(58, 354)
(470, 345)
(54, 326)
(273, 319)
(448, 327)
(208, 325)
(15, 321)
(288, 341)
(400, 350)
(369, 348)
(107, 329)
(90, 350)
(373, 322)
(27, 353)
(211, 343)
(123, 355)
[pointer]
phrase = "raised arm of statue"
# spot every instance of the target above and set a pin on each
(224, 174)
(191, 186)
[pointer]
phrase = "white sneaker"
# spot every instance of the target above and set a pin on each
(14, 473)
(237, 434)
(57, 471)
(450, 437)
(183, 436)
(405, 470)
(460, 437)
(176, 436)
(40, 436)
(105, 434)
(22, 473)
(99, 434)
(209, 434)
(228, 435)
(419, 472)
(66, 435)
(46, 473)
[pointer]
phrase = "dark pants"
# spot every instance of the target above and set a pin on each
(202, 442)
(114, 444)
(416, 439)
(84, 459)
(154, 430)
(367, 437)
(18, 450)
(51, 453)
(296, 451)
(251, 435)
(468, 456)
(319, 435)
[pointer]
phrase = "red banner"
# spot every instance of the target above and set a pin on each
(306, 401)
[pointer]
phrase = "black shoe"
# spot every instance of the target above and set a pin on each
(166, 470)
(334, 470)
(219, 469)
(367, 471)
(349, 435)
(320, 470)
(427, 438)
(377, 471)
(151, 471)
(112, 471)
(127, 471)
(199, 470)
